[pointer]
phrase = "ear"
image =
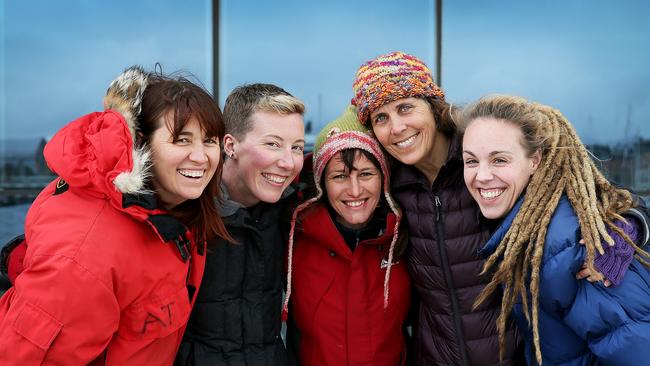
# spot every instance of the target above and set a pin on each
(536, 159)
(229, 143)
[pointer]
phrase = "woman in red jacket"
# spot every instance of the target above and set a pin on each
(349, 293)
(115, 245)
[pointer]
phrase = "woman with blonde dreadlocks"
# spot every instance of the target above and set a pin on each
(535, 175)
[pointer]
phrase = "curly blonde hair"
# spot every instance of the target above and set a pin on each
(565, 168)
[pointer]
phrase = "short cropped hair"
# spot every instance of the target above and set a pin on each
(245, 100)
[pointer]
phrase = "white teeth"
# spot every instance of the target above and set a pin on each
(275, 178)
(355, 203)
(406, 142)
(490, 193)
(191, 173)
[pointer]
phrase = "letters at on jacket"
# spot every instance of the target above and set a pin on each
(101, 284)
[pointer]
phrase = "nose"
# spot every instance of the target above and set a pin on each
(355, 186)
(397, 126)
(483, 173)
(286, 160)
(198, 153)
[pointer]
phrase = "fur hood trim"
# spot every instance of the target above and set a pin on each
(124, 96)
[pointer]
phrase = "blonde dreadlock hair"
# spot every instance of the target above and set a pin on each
(565, 167)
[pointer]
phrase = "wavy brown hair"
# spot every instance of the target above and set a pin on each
(186, 100)
(565, 168)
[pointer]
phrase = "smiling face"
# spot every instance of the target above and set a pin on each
(183, 167)
(353, 194)
(266, 160)
(497, 168)
(405, 128)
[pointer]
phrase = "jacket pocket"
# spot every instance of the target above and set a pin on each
(156, 317)
(39, 328)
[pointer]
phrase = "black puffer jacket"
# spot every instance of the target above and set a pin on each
(236, 319)
(445, 235)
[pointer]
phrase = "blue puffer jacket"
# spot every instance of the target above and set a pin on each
(583, 323)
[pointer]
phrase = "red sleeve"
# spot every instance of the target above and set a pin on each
(15, 261)
(57, 312)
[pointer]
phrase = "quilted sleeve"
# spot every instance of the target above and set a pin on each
(615, 322)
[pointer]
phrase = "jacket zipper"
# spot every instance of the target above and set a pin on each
(460, 343)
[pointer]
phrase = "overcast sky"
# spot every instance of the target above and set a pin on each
(588, 58)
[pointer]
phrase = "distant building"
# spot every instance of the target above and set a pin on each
(626, 163)
(24, 171)
(40, 166)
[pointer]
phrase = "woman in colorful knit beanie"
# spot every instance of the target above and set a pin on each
(535, 175)
(349, 293)
(395, 95)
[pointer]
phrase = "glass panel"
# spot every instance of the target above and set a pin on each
(589, 59)
(57, 60)
(313, 50)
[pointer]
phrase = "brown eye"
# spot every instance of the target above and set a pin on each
(405, 108)
(470, 162)
(299, 148)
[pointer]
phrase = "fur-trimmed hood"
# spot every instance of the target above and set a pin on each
(97, 151)
(124, 96)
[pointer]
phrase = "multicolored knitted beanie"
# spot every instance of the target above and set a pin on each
(390, 77)
(341, 134)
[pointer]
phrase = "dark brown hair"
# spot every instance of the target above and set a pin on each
(186, 100)
(442, 115)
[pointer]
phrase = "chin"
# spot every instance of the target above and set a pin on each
(193, 195)
(492, 213)
(411, 158)
(269, 197)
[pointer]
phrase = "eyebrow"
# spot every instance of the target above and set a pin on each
(184, 134)
(492, 153)
(368, 168)
(281, 139)
(500, 152)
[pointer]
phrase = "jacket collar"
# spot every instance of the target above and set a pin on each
(225, 205)
(320, 228)
(228, 207)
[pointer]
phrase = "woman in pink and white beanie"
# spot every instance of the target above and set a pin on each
(349, 292)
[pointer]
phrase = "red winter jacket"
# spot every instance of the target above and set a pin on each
(337, 299)
(100, 284)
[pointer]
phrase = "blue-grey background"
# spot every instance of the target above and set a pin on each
(588, 58)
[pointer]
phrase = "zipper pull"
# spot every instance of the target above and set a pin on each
(438, 204)
(183, 248)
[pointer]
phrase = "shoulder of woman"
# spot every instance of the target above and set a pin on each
(563, 235)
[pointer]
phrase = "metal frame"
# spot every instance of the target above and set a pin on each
(215, 45)
(438, 25)
(215, 49)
